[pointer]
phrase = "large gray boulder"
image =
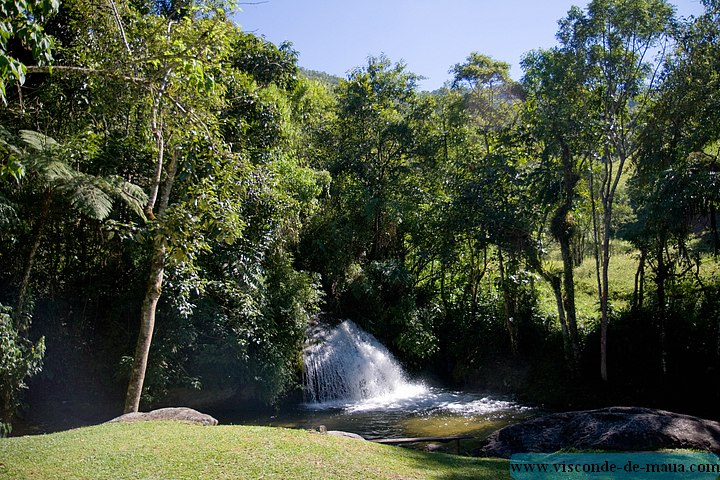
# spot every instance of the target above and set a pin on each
(616, 429)
(171, 413)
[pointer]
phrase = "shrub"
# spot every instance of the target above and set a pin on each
(19, 359)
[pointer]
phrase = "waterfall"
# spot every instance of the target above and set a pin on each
(347, 365)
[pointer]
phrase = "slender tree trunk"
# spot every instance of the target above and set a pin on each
(562, 230)
(661, 277)
(152, 295)
(596, 235)
(510, 321)
(564, 288)
(20, 324)
(556, 284)
(156, 126)
(610, 183)
(118, 22)
(568, 281)
(147, 326)
(604, 295)
(639, 293)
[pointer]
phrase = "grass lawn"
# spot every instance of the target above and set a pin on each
(174, 450)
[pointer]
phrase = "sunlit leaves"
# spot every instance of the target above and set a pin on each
(22, 20)
(19, 359)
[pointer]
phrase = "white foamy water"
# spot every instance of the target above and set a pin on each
(348, 366)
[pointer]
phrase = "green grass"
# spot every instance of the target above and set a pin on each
(174, 450)
(623, 267)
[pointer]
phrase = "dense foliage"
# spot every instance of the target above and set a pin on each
(179, 200)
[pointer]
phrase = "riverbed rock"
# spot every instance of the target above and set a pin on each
(183, 414)
(615, 429)
(340, 433)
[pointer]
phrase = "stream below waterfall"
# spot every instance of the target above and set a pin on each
(354, 384)
(437, 412)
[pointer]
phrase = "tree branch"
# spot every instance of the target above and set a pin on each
(90, 71)
(118, 21)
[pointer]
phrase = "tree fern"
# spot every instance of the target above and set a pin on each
(38, 141)
(87, 196)
(47, 173)
(130, 194)
(54, 171)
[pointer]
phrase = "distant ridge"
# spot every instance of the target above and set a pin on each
(326, 78)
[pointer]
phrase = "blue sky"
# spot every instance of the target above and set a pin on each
(430, 36)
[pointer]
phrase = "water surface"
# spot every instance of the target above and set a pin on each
(432, 412)
(354, 384)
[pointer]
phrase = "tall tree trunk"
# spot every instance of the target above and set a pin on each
(596, 235)
(568, 281)
(20, 323)
(147, 326)
(610, 182)
(562, 230)
(639, 292)
(152, 295)
(661, 277)
(604, 295)
(556, 284)
(510, 321)
(156, 126)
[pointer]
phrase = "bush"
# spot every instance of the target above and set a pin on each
(245, 330)
(19, 359)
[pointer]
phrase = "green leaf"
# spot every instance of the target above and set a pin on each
(132, 195)
(37, 140)
(91, 200)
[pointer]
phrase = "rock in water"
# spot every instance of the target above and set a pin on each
(339, 433)
(616, 429)
(183, 414)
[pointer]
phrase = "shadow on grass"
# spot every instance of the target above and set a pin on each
(456, 467)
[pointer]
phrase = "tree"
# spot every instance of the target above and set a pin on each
(47, 175)
(19, 359)
(173, 96)
(21, 28)
(364, 241)
(557, 105)
(493, 176)
(368, 152)
(188, 52)
(676, 176)
(64, 193)
(617, 40)
(606, 54)
(165, 59)
(240, 307)
(490, 94)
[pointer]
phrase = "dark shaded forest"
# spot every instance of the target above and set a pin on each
(179, 200)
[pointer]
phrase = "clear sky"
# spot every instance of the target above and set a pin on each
(430, 36)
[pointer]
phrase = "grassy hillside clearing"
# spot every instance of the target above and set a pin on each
(174, 451)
